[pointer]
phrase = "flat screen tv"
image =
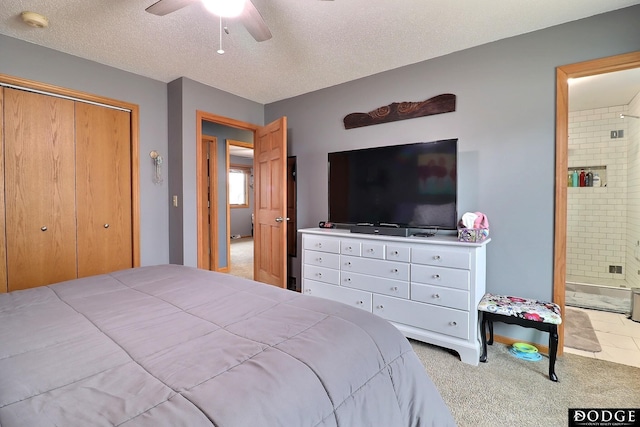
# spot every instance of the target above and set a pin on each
(409, 186)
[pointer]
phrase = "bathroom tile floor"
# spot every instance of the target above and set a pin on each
(619, 338)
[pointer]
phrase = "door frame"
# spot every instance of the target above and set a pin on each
(200, 222)
(563, 74)
(135, 144)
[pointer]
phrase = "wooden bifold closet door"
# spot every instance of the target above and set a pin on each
(40, 189)
(103, 189)
(67, 179)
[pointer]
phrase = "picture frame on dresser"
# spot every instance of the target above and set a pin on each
(429, 288)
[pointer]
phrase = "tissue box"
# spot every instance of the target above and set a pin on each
(472, 235)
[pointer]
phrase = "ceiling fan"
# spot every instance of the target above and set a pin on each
(249, 16)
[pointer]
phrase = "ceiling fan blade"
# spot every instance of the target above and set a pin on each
(253, 22)
(164, 7)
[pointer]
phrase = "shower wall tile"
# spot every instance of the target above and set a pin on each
(633, 193)
(597, 216)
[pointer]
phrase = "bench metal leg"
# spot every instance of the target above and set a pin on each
(553, 350)
(483, 336)
(490, 332)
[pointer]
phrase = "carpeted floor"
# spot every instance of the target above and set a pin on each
(507, 391)
(578, 332)
(242, 257)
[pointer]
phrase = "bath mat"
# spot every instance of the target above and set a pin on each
(578, 331)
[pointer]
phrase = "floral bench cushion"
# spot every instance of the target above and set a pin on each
(524, 308)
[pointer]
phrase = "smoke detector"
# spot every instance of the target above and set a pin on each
(34, 19)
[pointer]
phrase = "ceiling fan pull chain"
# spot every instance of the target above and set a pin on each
(221, 51)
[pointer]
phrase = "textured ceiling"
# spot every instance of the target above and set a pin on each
(315, 44)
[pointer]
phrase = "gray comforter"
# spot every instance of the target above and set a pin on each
(176, 346)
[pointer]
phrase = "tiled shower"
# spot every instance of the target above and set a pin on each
(603, 221)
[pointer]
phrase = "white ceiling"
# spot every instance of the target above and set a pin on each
(617, 88)
(315, 44)
(235, 150)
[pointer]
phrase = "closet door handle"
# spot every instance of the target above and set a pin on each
(43, 228)
(106, 226)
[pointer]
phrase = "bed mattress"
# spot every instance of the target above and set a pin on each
(176, 346)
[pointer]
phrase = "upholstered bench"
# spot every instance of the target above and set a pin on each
(530, 313)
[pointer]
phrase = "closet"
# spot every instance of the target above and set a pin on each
(66, 172)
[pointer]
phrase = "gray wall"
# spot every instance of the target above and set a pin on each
(505, 122)
(29, 61)
(195, 96)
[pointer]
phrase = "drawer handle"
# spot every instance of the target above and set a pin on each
(436, 257)
(436, 296)
(453, 323)
(348, 248)
(394, 271)
(348, 264)
(43, 228)
(319, 259)
(359, 302)
(394, 253)
(371, 250)
(436, 276)
(380, 307)
(395, 288)
(307, 291)
(319, 245)
(319, 274)
(348, 279)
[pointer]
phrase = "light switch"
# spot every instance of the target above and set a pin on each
(175, 201)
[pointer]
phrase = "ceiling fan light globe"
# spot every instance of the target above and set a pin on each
(224, 8)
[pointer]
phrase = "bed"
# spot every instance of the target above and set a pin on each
(176, 346)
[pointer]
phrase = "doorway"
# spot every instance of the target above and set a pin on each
(563, 74)
(270, 231)
(240, 207)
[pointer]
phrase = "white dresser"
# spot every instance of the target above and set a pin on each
(428, 287)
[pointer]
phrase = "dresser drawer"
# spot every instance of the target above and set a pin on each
(373, 250)
(398, 253)
(374, 267)
(322, 244)
(447, 277)
(374, 284)
(446, 297)
(350, 247)
(352, 297)
(444, 257)
(322, 274)
(322, 259)
(442, 320)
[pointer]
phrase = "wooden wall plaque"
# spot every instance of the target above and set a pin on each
(439, 104)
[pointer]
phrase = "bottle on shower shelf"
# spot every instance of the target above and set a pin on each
(596, 180)
(574, 178)
(582, 178)
(588, 181)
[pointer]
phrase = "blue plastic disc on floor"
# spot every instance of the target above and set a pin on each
(530, 356)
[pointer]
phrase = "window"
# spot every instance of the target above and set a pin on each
(239, 182)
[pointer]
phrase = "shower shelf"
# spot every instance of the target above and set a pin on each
(601, 170)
